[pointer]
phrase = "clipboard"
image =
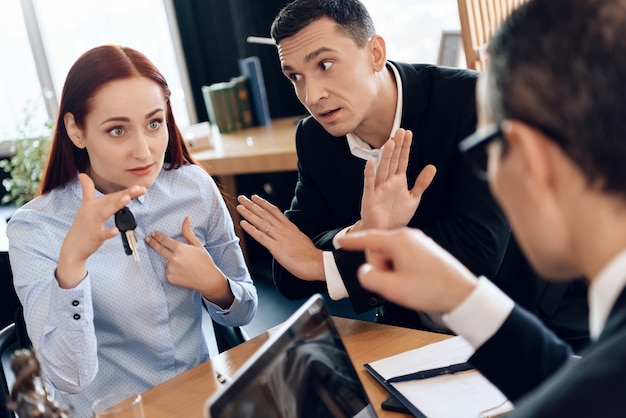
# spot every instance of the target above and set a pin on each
(463, 395)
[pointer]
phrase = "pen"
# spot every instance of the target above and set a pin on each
(425, 374)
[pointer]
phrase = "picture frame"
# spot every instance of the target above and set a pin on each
(451, 49)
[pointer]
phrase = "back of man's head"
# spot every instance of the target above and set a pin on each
(351, 16)
(560, 65)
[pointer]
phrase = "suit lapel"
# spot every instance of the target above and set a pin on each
(415, 104)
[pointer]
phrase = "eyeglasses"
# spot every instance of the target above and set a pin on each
(474, 148)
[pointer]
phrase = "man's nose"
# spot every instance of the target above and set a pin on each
(314, 91)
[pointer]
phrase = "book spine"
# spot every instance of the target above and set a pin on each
(208, 103)
(234, 109)
(219, 104)
(251, 68)
(243, 101)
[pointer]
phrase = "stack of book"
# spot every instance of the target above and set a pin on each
(228, 104)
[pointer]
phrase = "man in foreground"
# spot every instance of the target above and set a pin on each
(551, 117)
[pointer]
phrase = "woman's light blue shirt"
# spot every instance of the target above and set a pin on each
(124, 326)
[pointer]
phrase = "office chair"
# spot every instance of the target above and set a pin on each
(226, 337)
(23, 341)
(8, 344)
(480, 19)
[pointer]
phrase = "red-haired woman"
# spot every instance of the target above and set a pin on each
(101, 320)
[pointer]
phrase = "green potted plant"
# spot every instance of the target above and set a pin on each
(25, 168)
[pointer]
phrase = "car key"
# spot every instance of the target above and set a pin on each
(125, 222)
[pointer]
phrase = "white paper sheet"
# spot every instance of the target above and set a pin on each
(461, 395)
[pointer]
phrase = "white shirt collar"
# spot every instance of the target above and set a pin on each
(362, 149)
(603, 293)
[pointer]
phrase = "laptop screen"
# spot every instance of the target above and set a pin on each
(303, 370)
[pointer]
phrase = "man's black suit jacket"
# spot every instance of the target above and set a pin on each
(457, 210)
(536, 371)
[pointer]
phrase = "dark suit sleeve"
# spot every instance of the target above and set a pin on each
(521, 355)
(537, 372)
(592, 386)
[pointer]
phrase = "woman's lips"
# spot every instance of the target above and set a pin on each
(141, 171)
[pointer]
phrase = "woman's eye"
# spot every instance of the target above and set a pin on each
(155, 124)
(117, 131)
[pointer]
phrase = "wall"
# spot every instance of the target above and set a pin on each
(214, 37)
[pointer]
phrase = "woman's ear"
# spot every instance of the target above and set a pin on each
(73, 131)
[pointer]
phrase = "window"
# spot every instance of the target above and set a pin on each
(61, 30)
(412, 29)
(21, 101)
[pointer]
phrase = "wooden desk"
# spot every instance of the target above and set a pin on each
(262, 149)
(185, 395)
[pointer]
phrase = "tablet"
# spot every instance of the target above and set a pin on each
(302, 371)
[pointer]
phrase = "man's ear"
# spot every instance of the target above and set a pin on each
(532, 150)
(73, 131)
(378, 49)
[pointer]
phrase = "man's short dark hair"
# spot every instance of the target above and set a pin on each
(560, 65)
(351, 15)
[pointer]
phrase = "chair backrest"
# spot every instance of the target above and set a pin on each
(480, 19)
(8, 344)
(226, 337)
(23, 340)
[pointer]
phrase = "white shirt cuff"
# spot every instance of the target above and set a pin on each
(340, 234)
(481, 314)
(336, 289)
(334, 283)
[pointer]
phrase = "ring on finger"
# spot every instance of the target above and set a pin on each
(268, 229)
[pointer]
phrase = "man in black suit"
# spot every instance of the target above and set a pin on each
(357, 100)
(551, 119)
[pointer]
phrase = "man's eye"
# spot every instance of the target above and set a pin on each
(295, 77)
(325, 65)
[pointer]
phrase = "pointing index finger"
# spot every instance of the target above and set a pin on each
(366, 240)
